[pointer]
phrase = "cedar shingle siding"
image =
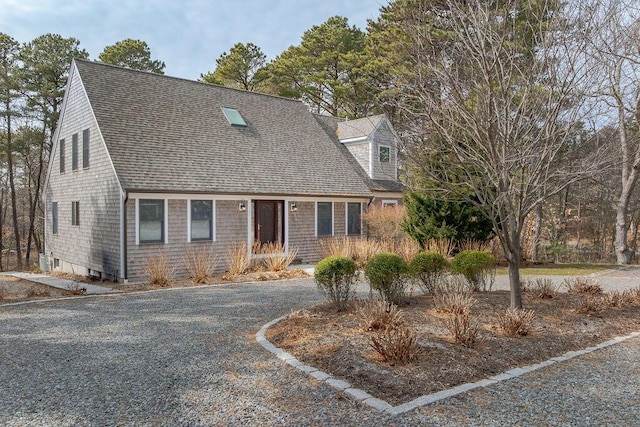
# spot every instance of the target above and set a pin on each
(146, 136)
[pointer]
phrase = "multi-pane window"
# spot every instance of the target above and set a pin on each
(75, 213)
(74, 152)
(62, 156)
(151, 221)
(85, 148)
(54, 217)
(384, 154)
(201, 220)
(324, 218)
(354, 213)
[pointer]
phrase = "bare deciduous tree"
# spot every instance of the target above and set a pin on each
(495, 112)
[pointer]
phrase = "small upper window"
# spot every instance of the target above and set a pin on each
(85, 148)
(74, 152)
(62, 156)
(384, 154)
(234, 117)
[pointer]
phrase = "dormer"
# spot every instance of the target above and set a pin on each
(374, 144)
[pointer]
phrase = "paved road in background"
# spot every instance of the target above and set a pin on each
(189, 357)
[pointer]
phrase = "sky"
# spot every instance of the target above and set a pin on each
(188, 35)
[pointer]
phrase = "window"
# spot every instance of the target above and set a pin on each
(74, 152)
(54, 217)
(62, 156)
(324, 218)
(201, 212)
(384, 154)
(389, 203)
(151, 221)
(234, 117)
(75, 213)
(354, 213)
(85, 148)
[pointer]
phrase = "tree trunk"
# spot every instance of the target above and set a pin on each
(623, 253)
(537, 232)
(12, 188)
(514, 281)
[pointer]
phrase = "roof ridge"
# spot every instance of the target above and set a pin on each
(131, 70)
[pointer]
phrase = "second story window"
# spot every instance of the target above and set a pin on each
(62, 155)
(384, 153)
(85, 148)
(74, 152)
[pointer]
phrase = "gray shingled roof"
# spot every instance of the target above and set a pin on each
(170, 134)
(358, 128)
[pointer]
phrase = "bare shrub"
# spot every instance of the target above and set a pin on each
(442, 246)
(396, 344)
(619, 299)
(35, 292)
(275, 257)
(201, 262)
(635, 293)
(75, 289)
(582, 285)
(454, 303)
(453, 285)
(407, 248)
(158, 270)
(542, 288)
(384, 223)
(515, 321)
(461, 328)
(238, 262)
(591, 304)
(376, 314)
(473, 245)
(362, 250)
(2, 293)
(340, 246)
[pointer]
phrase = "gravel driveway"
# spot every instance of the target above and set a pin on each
(189, 357)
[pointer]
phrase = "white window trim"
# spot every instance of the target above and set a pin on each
(388, 202)
(213, 220)
(166, 219)
(333, 216)
(346, 219)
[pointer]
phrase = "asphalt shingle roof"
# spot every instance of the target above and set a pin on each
(170, 134)
(358, 128)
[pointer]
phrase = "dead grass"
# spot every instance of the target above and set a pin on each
(461, 327)
(516, 322)
(158, 270)
(442, 246)
(582, 285)
(275, 257)
(396, 344)
(335, 342)
(201, 263)
(238, 262)
(542, 288)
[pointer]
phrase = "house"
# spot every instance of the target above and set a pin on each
(144, 164)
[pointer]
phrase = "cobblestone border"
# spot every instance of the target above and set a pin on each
(384, 406)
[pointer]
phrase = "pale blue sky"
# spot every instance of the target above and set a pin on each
(188, 35)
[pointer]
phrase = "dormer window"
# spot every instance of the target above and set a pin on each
(234, 117)
(384, 153)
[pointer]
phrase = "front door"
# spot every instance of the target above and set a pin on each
(269, 221)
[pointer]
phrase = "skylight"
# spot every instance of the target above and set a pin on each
(233, 117)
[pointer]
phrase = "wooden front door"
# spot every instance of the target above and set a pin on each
(269, 221)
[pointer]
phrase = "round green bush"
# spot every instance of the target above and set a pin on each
(476, 267)
(387, 274)
(427, 268)
(336, 277)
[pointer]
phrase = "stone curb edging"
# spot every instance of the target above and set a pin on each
(383, 406)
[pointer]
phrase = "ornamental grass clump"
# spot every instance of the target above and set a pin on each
(238, 259)
(201, 263)
(428, 269)
(276, 258)
(476, 267)
(541, 288)
(582, 285)
(462, 328)
(158, 270)
(516, 321)
(337, 277)
(387, 274)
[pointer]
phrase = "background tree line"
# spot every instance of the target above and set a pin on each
(521, 112)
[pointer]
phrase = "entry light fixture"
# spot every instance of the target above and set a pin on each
(294, 207)
(242, 207)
